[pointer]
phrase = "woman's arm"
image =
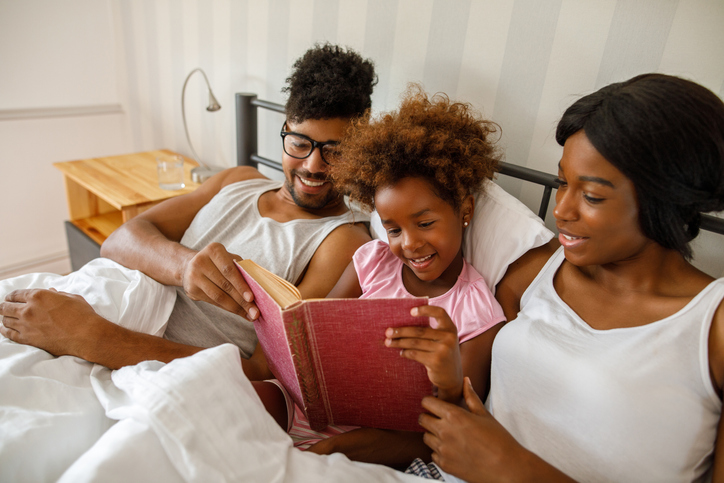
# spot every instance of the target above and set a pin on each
(716, 368)
(472, 445)
(475, 356)
(519, 276)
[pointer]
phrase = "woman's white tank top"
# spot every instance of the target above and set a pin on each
(630, 404)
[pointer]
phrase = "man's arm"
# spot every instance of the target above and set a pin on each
(150, 243)
(65, 324)
(331, 260)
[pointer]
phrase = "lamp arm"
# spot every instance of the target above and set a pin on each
(183, 110)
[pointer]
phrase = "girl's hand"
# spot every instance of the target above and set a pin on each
(435, 347)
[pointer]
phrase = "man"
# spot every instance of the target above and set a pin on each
(300, 229)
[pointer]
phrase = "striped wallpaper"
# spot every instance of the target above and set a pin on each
(111, 72)
(520, 62)
(86, 78)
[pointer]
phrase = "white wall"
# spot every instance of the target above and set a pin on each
(521, 62)
(59, 100)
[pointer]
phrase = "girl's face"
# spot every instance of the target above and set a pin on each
(596, 208)
(425, 232)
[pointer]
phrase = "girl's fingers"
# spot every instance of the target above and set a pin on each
(427, 333)
(423, 343)
(439, 318)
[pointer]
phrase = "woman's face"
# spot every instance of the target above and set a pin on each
(596, 208)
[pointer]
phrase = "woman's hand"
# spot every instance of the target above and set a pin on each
(211, 276)
(435, 347)
(472, 445)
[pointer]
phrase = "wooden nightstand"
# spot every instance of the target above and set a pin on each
(103, 193)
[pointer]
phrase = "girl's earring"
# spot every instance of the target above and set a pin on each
(465, 223)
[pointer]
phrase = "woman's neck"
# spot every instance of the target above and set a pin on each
(633, 292)
(654, 270)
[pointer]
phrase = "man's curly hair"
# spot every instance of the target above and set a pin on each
(445, 142)
(329, 82)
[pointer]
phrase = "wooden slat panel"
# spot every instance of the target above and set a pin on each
(99, 227)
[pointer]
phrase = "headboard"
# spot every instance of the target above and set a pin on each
(247, 106)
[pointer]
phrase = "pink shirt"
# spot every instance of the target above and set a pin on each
(469, 302)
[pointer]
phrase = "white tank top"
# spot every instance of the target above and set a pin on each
(630, 404)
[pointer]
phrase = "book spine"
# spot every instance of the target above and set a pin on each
(304, 360)
(323, 410)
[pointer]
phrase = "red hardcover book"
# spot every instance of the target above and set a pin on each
(331, 357)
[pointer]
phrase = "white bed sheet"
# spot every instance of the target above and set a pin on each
(194, 419)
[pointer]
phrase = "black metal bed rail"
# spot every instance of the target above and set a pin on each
(548, 181)
(247, 148)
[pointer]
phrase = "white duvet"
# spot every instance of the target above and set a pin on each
(195, 419)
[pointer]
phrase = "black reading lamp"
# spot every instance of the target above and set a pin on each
(203, 172)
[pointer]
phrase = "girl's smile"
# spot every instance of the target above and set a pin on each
(425, 232)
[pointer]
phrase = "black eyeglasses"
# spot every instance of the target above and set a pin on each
(300, 146)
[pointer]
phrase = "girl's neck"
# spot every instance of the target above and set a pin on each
(437, 287)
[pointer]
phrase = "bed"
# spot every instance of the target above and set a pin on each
(198, 418)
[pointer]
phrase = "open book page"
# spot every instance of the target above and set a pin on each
(283, 292)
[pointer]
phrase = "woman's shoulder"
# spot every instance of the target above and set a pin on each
(519, 276)
(716, 343)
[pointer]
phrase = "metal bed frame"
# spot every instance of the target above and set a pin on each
(247, 106)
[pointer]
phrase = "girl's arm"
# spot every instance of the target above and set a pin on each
(347, 286)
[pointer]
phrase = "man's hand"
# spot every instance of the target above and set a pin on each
(435, 347)
(211, 276)
(58, 322)
(65, 324)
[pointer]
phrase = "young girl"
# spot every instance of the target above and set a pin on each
(419, 168)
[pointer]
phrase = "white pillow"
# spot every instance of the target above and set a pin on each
(501, 231)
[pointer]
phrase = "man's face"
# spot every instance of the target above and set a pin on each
(306, 179)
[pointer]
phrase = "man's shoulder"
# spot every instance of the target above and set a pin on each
(239, 173)
(347, 237)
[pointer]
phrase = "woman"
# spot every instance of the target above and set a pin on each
(614, 365)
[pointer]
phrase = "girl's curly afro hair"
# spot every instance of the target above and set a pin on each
(329, 82)
(445, 142)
